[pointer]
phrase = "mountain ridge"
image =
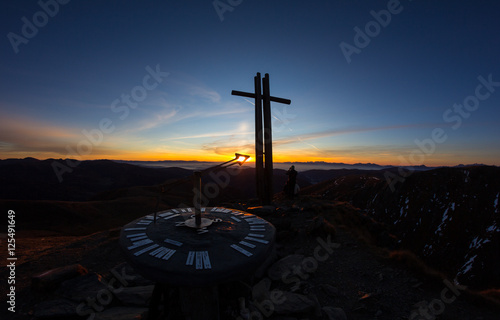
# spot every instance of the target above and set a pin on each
(449, 217)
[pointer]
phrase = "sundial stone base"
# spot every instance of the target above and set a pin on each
(232, 246)
(194, 303)
(206, 302)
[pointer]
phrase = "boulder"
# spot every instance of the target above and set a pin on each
(317, 305)
(86, 286)
(260, 291)
(294, 303)
(122, 313)
(129, 277)
(51, 279)
(135, 296)
(332, 313)
(330, 290)
(285, 267)
(59, 308)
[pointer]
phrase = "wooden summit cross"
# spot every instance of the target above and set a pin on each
(263, 136)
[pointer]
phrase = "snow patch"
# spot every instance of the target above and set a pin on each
(427, 249)
(495, 203)
(467, 266)
(476, 243)
(443, 221)
(493, 228)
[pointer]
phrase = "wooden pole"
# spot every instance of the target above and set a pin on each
(268, 141)
(259, 136)
(263, 136)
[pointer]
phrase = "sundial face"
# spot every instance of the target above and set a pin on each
(171, 251)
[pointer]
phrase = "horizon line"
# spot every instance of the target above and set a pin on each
(280, 162)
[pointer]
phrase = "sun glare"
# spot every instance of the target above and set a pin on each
(241, 159)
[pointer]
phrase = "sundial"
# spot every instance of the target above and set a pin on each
(172, 248)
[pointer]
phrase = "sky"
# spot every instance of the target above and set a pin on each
(388, 82)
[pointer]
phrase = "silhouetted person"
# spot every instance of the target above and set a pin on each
(292, 181)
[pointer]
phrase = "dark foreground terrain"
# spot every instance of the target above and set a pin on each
(357, 279)
(382, 262)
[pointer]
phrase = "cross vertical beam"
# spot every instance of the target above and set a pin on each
(268, 142)
(259, 146)
(263, 136)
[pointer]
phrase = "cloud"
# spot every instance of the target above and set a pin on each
(336, 132)
(296, 145)
(28, 135)
(161, 112)
(193, 87)
(166, 115)
(211, 135)
(204, 93)
(230, 146)
(72, 103)
(209, 113)
(22, 136)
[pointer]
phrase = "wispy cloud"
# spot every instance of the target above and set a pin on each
(29, 138)
(165, 114)
(161, 112)
(343, 131)
(72, 103)
(193, 87)
(230, 145)
(249, 101)
(204, 93)
(210, 135)
(23, 136)
(22, 133)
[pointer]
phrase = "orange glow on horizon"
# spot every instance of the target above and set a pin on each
(382, 160)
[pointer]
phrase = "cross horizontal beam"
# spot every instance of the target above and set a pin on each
(263, 135)
(252, 95)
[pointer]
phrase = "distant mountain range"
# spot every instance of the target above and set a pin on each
(32, 179)
(57, 179)
(301, 166)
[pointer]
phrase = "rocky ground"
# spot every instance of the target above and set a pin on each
(325, 269)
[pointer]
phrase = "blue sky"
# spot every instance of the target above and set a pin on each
(394, 91)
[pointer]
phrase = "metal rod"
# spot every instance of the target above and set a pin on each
(197, 202)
